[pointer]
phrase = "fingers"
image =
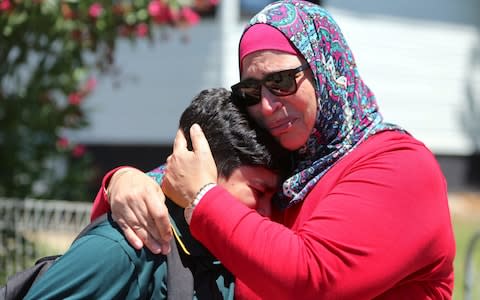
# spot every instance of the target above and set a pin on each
(138, 207)
(142, 229)
(152, 224)
(152, 240)
(188, 171)
(131, 236)
(138, 236)
(180, 143)
(159, 228)
(199, 141)
(130, 217)
(202, 150)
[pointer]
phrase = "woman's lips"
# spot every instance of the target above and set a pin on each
(280, 127)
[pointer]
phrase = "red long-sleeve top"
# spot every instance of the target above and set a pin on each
(377, 225)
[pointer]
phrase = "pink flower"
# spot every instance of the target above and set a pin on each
(90, 85)
(62, 143)
(159, 11)
(155, 8)
(95, 10)
(142, 29)
(173, 14)
(5, 5)
(74, 98)
(78, 151)
(190, 16)
(213, 2)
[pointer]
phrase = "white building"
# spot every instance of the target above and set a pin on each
(421, 59)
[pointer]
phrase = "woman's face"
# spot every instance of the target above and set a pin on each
(253, 186)
(290, 119)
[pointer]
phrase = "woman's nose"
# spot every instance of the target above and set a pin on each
(269, 102)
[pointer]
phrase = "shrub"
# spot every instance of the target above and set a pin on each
(48, 51)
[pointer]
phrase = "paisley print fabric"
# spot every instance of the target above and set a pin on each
(347, 110)
(158, 173)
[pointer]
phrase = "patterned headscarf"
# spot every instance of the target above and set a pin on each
(347, 110)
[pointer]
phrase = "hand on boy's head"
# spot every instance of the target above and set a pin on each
(188, 171)
(138, 207)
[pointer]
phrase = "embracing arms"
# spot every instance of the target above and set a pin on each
(138, 203)
(138, 207)
(379, 219)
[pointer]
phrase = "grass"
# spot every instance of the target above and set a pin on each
(464, 228)
(46, 244)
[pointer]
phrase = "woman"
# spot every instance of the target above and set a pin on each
(364, 214)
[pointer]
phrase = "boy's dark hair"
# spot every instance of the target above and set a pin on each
(233, 139)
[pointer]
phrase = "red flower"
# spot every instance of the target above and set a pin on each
(90, 85)
(5, 5)
(190, 16)
(74, 98)
(173, 14)
(78, 151)
(142, 30)
(62, 143)
(159, 11)
(95, 10)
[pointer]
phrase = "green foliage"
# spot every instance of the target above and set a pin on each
(465, 228)
(48, 51)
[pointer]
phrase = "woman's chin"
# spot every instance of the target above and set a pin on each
(290, 141)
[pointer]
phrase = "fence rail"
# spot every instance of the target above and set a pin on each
(25, 222)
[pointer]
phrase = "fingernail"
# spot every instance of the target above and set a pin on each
(196, 127)
(166, 248)
(155, 247)
(138, 245)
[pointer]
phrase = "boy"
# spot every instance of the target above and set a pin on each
(102, 264)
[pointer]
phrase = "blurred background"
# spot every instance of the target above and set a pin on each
(118, 103)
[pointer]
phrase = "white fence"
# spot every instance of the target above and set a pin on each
(32, 228)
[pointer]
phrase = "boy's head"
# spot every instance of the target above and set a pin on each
(233, 139)
(247, 158)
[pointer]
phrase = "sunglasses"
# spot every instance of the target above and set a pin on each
(282, 83)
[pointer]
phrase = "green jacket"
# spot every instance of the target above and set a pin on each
(102, 265)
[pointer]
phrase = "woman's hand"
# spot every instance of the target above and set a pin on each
(188, 171)
(138, 206)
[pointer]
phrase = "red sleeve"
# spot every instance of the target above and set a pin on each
(367, 228)
(100, 204)
(249, 245)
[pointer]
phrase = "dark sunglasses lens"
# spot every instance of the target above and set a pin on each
(281, 83)
(247, 92)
